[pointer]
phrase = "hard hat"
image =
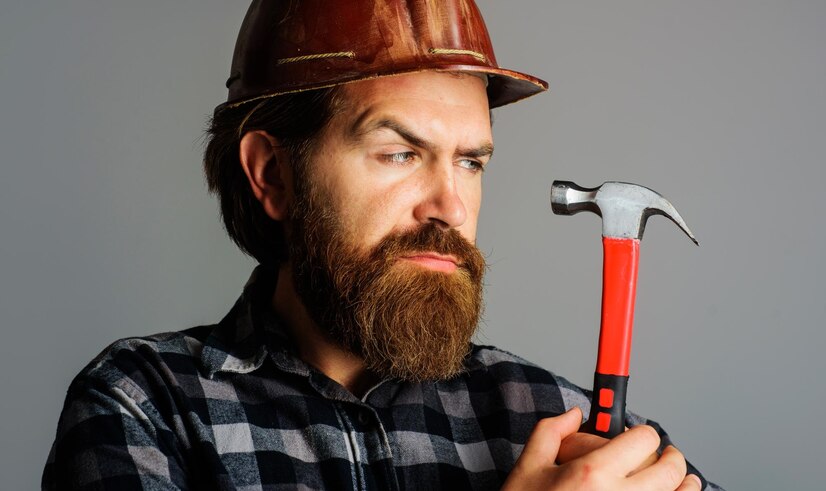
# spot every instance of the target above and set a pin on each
(287, 46)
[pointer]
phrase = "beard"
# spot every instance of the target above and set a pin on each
(403, 320)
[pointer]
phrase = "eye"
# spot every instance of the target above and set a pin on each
(398, 157)
(472, 165)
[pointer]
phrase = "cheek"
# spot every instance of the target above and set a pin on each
(367, 217)
(387, 211)
(385, 208)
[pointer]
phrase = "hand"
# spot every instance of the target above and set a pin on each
(580, 444)
(610, 466)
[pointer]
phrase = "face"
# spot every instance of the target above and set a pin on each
(384, 219)
(406, 151)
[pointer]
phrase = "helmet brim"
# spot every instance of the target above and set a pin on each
(504, 86)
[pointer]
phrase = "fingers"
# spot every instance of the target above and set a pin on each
(544, 442)
(628, 451)
(690, 483)
(591, 462)
(669, 471)
(578, 445)
(532, 469)
(652, 458)
(581, 444)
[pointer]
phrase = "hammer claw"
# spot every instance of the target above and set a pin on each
(667, 210)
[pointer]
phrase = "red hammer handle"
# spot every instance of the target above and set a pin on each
(619, 288)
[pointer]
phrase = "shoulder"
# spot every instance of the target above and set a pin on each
(121, 414)
(505, 364)
(518, 378)
(135, 364)
(165, 346)
(134, 378)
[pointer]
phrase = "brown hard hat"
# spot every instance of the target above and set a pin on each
(294, 45)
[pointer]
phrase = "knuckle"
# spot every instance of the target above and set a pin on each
(546, 426)
(674, 468)
(583, 475)
(673, 474)
(545, 423)
(649, 435)
(574, 475)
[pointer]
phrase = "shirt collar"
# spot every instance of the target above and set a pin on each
(249, 332)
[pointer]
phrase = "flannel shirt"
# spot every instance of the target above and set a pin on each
(230, 407)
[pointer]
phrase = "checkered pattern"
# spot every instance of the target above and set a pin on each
(230, 407)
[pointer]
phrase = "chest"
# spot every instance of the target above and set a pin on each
(421, 438)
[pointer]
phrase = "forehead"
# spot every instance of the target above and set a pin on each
(438, 101)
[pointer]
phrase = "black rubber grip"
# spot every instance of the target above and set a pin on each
(607, 417)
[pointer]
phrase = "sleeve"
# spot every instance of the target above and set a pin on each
(632, 419)
(106, 441)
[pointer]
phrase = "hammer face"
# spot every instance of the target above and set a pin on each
(568, 199)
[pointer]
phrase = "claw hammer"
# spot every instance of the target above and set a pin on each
(624, 208)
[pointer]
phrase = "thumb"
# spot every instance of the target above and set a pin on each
(543, 444)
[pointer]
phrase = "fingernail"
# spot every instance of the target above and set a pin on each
(697, 480)
(581, 413)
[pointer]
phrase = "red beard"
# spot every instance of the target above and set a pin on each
(403, 320)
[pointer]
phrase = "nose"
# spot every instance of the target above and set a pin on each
(441, 202)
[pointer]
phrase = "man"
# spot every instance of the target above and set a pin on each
(348, 161)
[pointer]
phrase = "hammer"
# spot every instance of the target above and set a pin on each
(624, 209)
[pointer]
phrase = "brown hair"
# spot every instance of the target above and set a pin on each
(295, 120)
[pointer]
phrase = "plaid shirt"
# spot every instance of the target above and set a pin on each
(230, 407)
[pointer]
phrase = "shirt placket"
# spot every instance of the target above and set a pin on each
(368, 447)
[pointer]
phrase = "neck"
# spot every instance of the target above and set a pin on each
(314, 346)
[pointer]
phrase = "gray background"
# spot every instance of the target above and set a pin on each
(107, 230)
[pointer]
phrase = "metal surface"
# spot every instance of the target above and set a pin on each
(624, 207)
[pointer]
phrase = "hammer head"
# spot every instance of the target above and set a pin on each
(624, 207)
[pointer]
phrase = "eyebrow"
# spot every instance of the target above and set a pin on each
(358, 131)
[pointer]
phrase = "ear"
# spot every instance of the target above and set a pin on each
(269, 173)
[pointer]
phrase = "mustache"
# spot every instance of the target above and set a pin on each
(429, 238)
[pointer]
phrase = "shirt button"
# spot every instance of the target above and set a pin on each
(363, 417)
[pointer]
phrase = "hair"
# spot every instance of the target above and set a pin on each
(295, 120)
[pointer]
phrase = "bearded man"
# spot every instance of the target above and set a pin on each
(348, 161)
